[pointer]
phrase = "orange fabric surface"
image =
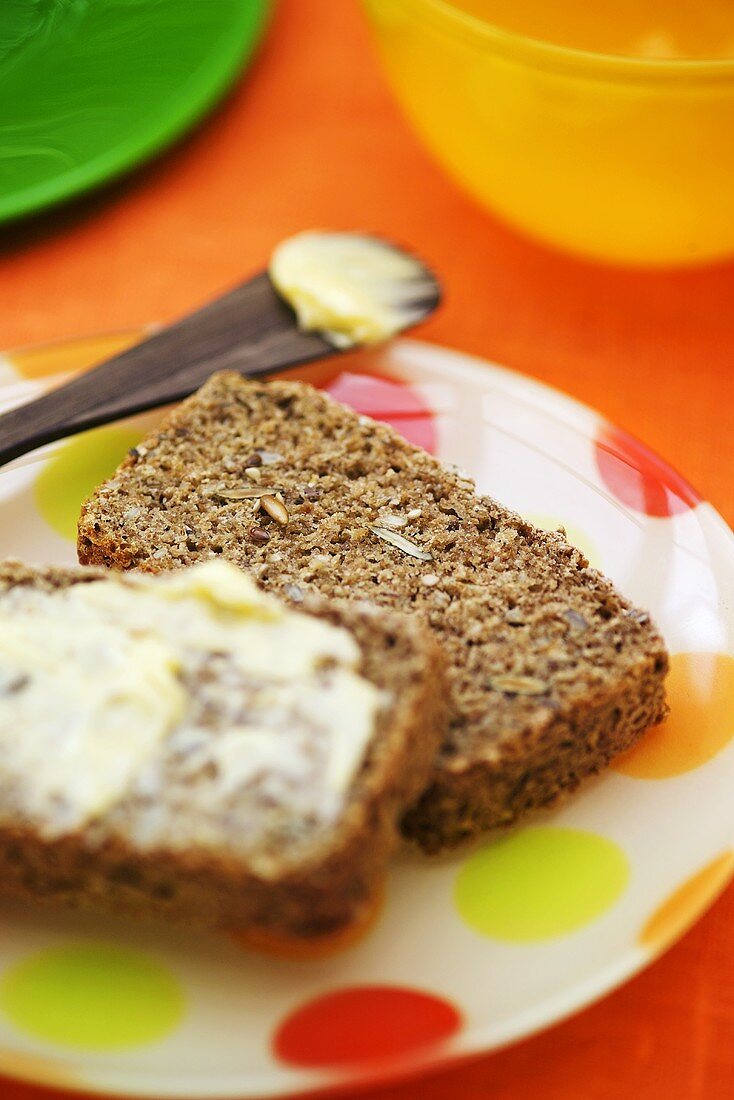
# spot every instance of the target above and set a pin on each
(311, 138)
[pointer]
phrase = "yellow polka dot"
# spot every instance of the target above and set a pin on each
(540, 883)
(700, 724)
(75, 470)
(574, 534)
(72, 355)
(679, 911)
(92, 996)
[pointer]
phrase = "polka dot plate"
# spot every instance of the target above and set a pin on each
(468, 952)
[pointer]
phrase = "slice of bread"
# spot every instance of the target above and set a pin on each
(175, 842)
(552, 671)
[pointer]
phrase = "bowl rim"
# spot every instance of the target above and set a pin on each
(552, 55)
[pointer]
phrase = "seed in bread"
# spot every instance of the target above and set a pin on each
(552, 672)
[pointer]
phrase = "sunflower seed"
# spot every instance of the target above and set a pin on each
(248, 492)
(401, 543)
(518, 685)
(391, 520)
(275, 508)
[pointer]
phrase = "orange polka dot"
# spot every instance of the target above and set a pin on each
(700, 724)
(639, 478)
(363, 1026)
(678, 912)
(38, 1069)
(281, 946)
(73, 355)
(389, 400)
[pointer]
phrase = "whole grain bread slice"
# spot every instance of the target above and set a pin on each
(552, 672)
(294, 876)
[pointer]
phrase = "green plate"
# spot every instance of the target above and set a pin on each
(89, 88)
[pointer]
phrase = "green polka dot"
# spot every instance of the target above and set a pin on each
(75, 470)
(574, 534)
(93, 996)
(540, 883)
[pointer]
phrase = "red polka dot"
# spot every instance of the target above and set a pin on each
(640, 478)
(387, 399)
(362, 1026)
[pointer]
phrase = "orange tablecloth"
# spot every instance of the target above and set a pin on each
(312, 138)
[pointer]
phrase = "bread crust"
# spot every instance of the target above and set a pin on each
(315, 893)
(510, 604)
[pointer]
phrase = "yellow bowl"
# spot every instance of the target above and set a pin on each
(623, 159)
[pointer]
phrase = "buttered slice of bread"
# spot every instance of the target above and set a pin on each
(189, 747)
(552, 672)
